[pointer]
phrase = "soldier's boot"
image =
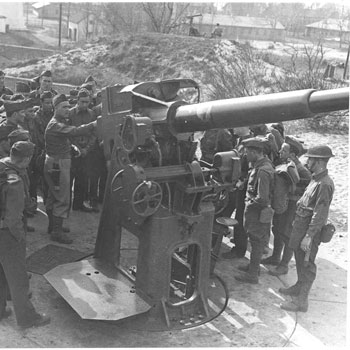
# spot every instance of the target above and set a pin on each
(49, 216)
(301, 303)
(245, 268)
(57, 231)
(252, 275)
(292, 290)
(275, 258)
(282, 268)
(65, 227)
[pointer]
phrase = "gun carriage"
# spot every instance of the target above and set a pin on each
(158, 191)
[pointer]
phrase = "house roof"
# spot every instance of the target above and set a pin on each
(78, 17)
(41, 4)
(237, 21)
(331, 24)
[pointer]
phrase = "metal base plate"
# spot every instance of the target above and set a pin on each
(148, 322)
(97, 290)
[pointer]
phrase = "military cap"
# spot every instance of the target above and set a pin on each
(83, 93)
(46, 73)
(258, 129)
(322, 151)
(19, 105)
(18, 135)
(87, 86)
(22, 149)
(46, 94)
(255, 142)
(279, 127)
(13, 106)
(89, 78)
(295, 145)
(22, 87)
(59, 98)
(17, 97)
(5, 97)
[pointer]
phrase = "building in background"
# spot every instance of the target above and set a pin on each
(83, 26)
(241, 27)
(329, 29)
(14, 13)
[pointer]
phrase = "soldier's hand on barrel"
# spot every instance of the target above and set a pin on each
(305, 244)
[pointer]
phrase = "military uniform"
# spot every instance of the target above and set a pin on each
(286, 194)
(213, 141)
(84, 167)
(35, 94)
(58, 153)
(13, 247)
(258, 211)
(311, 215)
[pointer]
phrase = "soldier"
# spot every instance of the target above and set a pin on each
(84, 167)
(217, 32)
(57, 165)
(12, 239)
(311, 215)
(240, 237)
(3, 89)
(45, 81)
(213, 141)
(271, 149)
(15, 114)
(42, 117)
(22, 88)
(283, 221)
(258, 212)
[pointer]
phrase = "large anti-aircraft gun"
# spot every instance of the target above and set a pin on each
(157, 191)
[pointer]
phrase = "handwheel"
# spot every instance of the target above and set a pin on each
(146, 198)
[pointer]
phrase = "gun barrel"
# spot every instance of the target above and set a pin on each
(259, 109)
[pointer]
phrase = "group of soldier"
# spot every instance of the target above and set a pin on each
(48, 140)
(277, 193)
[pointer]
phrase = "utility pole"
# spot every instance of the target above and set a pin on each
(346, 64)
(60, 26)
(68, 15)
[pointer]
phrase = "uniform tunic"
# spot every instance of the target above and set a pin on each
(12, 246)
(58, 155)
(258, 197)
(311, 215)
(84, 168)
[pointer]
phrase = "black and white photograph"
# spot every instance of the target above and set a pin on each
(174, 174)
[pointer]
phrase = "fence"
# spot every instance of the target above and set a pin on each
(20, 53)
(10, 82)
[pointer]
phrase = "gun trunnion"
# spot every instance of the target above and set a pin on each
(158, 191)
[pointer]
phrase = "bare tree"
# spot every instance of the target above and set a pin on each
(237, 74)
(165, 16)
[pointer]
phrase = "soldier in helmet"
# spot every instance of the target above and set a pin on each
(311, 216)
(258, 212)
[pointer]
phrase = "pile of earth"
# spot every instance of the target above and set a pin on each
(126, 59)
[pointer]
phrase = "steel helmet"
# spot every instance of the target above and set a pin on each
(322, 151)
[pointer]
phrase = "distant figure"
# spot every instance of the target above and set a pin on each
(217, 32)
(193, 31)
